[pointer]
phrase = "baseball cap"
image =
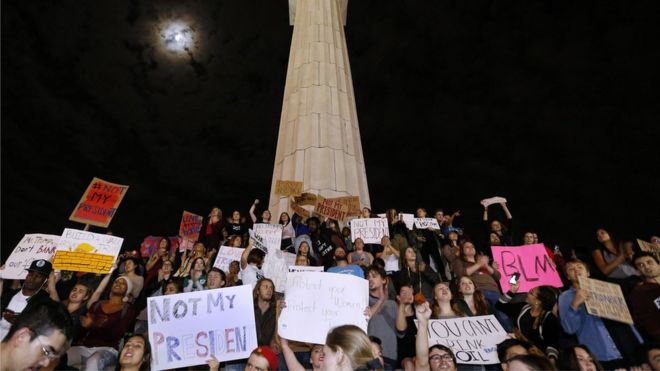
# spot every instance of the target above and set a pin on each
(41, 266)
(268, 353)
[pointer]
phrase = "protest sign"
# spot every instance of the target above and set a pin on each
(370, 230)
(493, 200)
(331, 208)
(226, 255)
(99, 203)
(353, 203)
(304, 268)
(82, 251)
(606, 300)
(257, 241)
(472, 339)
(276, 266)
(319, 301)
(531, 261)
(188, 329)
(288, 188)
(305, 199)
(300, 211)
(425, 223)
(31, 247)
(149, 246)
(271, 235)
(191, 225)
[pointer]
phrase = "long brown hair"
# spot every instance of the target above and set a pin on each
(480, 303)
(435, 308)
(354, 343)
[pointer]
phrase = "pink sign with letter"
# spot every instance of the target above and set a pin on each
(531, 261)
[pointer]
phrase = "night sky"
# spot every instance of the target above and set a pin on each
(553, 105)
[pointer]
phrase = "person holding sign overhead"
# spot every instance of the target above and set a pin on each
(613, 343)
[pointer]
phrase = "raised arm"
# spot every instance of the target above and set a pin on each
(289, 357)
(506, 211)
(52, 281)
(245, 253)
(254, 205)
(102, 285)
(423, 313)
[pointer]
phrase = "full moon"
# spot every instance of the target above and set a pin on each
(177, 37)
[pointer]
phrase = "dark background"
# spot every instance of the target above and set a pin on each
(553, 105)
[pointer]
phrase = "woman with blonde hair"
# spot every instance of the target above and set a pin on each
(349, 348)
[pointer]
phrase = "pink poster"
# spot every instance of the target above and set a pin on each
(530, 261)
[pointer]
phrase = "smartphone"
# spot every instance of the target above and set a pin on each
(514, 278)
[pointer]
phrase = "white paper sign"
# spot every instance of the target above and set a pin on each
(472, 339)
(187, 329)
(319, 301)
(226, 255)
(370, 230)
(271, 235)
(276, 266)
(304, 268)
(425, 223)
(32, 247)
(493, 200)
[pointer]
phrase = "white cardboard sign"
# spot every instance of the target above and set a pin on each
(426, 223)
(472, 339)
(31, 247)
(226, 255)
(319, 301)
(370, 230)
(187, 329)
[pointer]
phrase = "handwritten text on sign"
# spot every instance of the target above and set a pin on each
(271, 235)
(531, 261)
(226, 255)
(319, 301)
(99, 203)
(82, 251)
(32, 247)
(606, 300)
(425, 223)
(370, 230)
(472, 339)
(190, 226)
(187, 329)
(331, 208)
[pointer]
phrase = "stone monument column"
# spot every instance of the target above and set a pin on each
(319, 138)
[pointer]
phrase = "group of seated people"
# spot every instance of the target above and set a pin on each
(413, 274)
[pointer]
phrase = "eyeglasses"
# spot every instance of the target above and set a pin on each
(50, 354)
(443, 357)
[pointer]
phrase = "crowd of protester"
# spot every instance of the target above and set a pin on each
(74, 320)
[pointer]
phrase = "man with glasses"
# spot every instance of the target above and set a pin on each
(41, 334)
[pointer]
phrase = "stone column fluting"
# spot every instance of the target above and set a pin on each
(319, 137)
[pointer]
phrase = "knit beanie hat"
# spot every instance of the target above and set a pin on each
(129, 287)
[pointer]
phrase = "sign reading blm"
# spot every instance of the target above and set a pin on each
(99, 203)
